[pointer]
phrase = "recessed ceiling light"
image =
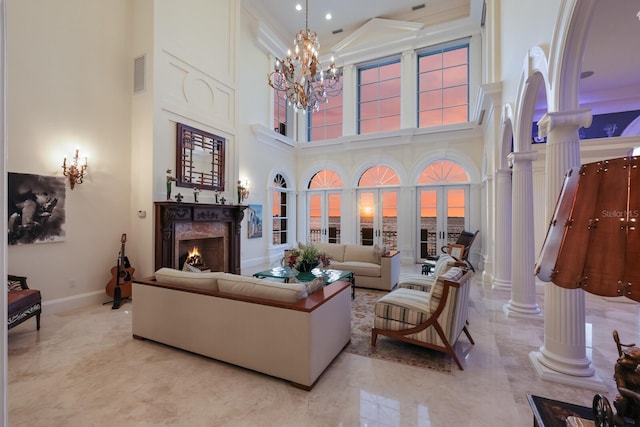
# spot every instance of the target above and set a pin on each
(585, 74)
(298, 7)
(328, 17)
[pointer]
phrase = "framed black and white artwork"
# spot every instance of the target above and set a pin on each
(36, 209)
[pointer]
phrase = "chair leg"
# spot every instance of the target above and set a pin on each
(37, 322)
(374, 337)
(466, 332)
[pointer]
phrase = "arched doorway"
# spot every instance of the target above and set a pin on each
(378, 190)
(443, 201)
(324, 207)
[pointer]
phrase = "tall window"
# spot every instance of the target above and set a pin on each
(280, 211)
(443, 86)
(279, 113)
(379, 97)
(325, 211)
(326, 123)
(378, 207)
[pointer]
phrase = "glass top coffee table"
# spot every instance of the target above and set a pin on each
(329, 275)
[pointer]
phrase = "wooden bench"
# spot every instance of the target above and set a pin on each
(22, 302)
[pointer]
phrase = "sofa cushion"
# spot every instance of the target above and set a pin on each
(262, 288)
(358, 268)
(206, 281)
(334, 251)
(360, 253)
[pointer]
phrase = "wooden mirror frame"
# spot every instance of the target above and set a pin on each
(200, 159)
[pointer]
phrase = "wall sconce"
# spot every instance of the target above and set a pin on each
(243, 191)
(75, 172)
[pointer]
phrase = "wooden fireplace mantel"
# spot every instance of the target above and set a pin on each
(168, 214)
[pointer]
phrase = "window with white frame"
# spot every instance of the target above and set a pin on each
(326, 123)
(279, 113)
(379, 96)
(443, 85)
(279, 195)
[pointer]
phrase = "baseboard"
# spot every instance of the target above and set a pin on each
(60, 305)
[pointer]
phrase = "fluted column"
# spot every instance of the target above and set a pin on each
(523, 288)
(488, 247)
(563, 356)
(502, 277)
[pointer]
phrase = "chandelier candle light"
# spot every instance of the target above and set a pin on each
(300, 76)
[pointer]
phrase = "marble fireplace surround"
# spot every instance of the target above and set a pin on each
(175, 222)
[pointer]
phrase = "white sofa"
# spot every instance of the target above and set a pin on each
(269, 327)
(372, 267)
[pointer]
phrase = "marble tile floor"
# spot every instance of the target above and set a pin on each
(83, 368)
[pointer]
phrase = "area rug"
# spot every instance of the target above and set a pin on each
(387, 349)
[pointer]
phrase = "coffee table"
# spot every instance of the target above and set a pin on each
(329, 275)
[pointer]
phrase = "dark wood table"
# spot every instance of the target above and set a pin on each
(554, 413)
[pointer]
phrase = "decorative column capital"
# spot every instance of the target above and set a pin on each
(522, 157)
(573, 119)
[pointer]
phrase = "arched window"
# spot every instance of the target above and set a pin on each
(443, 200)
(280, 211)
(378, 176)
(325, 205)
(378, 207)
(325, 179)
(441, 172)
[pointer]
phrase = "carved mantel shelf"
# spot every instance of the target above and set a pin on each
(169, 214)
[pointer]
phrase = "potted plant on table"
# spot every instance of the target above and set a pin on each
(305, 258)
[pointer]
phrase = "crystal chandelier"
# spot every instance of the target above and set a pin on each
(300, 78)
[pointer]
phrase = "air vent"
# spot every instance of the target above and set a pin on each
(338, 31)
(418, 6)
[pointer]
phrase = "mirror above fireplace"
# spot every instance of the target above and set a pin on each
(200, 159)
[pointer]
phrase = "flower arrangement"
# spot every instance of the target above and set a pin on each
(303, 256)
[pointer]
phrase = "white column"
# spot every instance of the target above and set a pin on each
(502, 277)
(563, 356)
(523, 290)
(487, 239)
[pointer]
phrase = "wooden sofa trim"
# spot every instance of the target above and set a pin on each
(402, 335)
(307, 304)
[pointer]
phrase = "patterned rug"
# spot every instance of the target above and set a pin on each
(387, 349)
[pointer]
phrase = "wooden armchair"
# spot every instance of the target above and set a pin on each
(465, 239)
(433, 319)
(22, 302)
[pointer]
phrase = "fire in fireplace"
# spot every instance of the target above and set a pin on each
(203, 254)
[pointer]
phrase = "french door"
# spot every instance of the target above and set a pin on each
(324, 216)
(444, 214)
(378, 217)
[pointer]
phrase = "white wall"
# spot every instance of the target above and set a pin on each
(69, 75)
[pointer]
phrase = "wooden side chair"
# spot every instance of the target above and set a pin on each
(433, 318)
(22, 302)
(465, 239)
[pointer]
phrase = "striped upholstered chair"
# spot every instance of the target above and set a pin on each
(433, 319)
(22, 302)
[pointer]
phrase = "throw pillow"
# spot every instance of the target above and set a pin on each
(14, 285)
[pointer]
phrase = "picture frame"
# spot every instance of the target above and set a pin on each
(36, 208)
(254, 221)
(456, 251)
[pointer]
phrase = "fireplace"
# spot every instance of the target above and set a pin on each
(213, 229)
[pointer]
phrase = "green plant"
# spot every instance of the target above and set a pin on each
(308, 253)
